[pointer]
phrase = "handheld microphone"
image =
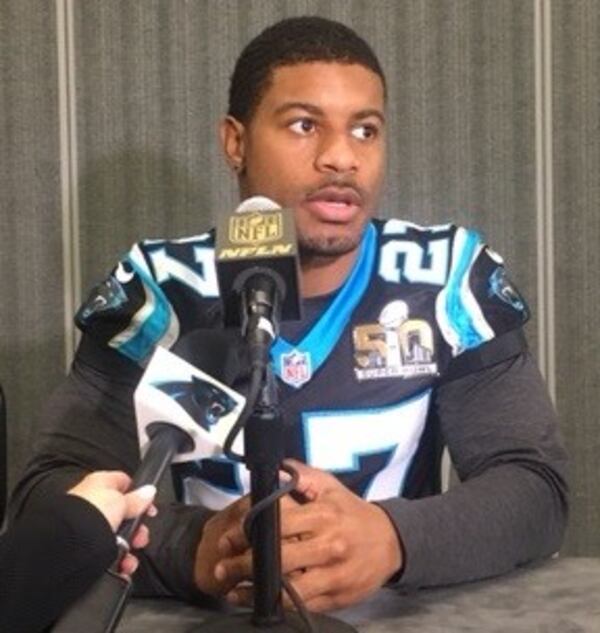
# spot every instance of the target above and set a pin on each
(257, 269)
(182, 412)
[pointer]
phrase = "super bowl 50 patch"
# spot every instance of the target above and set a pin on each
(395, 346)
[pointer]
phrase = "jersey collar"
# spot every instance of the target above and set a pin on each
(296, 363)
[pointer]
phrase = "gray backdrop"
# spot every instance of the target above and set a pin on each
(109, 112)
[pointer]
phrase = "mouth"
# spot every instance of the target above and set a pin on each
(335, 204)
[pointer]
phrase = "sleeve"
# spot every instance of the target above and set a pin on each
(129, 311)
(511, 505)
(478, 302)
(52, 555)
(88, 424)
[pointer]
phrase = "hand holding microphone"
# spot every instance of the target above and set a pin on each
(107, 491)
(182, 413)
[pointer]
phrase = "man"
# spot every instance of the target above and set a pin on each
(411, 338)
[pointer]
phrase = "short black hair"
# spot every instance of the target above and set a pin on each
(289, 42)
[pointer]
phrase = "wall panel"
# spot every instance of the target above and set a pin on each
(150, 82)
(143, 133)
(576, 105)
(31, 286)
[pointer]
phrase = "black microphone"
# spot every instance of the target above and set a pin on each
(257, 270)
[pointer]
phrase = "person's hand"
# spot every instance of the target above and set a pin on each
(212, 546)
(223, 538)
(336, 548)
(106, 491)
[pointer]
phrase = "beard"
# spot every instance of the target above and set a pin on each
(327, 246)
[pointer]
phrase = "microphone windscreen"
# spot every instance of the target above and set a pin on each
(257, 203)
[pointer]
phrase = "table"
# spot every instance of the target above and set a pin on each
(561, 595)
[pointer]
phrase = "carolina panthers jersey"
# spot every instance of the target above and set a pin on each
(357, 375)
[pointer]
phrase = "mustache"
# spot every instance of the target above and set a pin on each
(338, 182)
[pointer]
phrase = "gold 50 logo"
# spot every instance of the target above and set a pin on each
(395, 346)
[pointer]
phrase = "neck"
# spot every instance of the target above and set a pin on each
(321, 275)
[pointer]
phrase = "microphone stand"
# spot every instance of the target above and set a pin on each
(264, 449)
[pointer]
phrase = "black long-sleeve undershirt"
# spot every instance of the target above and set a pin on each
(48, 558)
(497, 421)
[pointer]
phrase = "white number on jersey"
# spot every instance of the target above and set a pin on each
(419, 266)
(336, 440)
(204, 282)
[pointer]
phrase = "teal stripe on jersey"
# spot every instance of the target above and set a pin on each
(326, 332)
(153, 327)
(456, 310)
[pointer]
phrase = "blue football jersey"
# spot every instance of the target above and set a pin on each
(357, 375)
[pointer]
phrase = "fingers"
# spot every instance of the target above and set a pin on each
(300, 555)
(129, 565)
(242, 596)
(297, 522)
(102, 479)
(301, 520)
(238, 509)
(233, 540)
(141, 538)
(319, 591)
(231, 571)
(332, 546)
(297, 555)
(312, 482)
(138, 501)
(116, 479)
(113, 479)
(219, 537)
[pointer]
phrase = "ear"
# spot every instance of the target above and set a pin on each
(232, 135)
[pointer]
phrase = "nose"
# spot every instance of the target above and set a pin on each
(336, 154)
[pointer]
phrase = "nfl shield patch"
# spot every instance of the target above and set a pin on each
(295, 368)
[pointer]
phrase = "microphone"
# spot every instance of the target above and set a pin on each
(257, 270)
(182, 412)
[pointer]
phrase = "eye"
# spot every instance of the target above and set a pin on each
(365, 132)
(303, 126)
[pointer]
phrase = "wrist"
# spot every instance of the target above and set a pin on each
(392, 544)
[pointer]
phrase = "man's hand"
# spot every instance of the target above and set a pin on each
(214, 546)
(336, 548)
(223, 539)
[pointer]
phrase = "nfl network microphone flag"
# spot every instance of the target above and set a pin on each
(258, 236)
(174, 392)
